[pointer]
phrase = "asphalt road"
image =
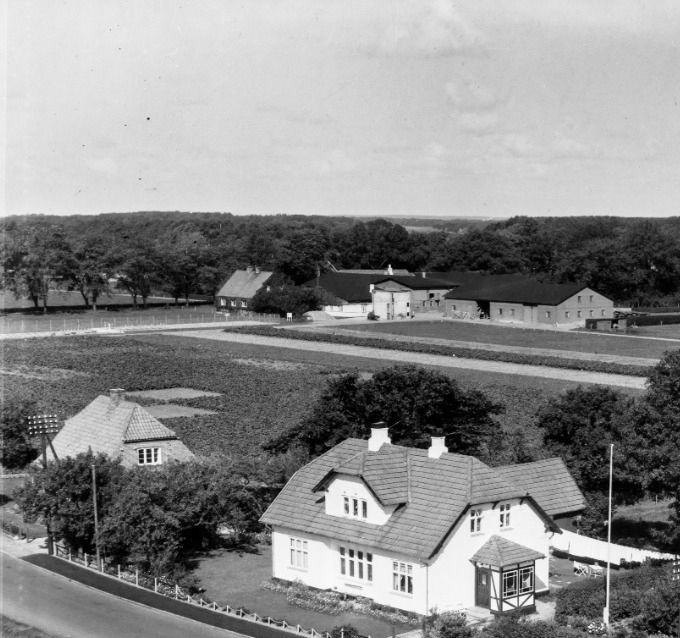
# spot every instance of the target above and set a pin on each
(41, 599)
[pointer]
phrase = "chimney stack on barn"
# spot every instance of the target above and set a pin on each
(437, 447)
(380, 435)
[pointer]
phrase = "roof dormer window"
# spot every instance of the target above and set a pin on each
(355, 507)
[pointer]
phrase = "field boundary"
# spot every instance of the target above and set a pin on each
(444, 350)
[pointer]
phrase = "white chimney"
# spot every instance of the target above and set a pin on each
(249, 269)
(115, 395)
(424, 274)
(437, 447)
(389, 269)
(380, 435)
(257, 270)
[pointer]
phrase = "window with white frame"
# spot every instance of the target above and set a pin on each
(149, 456)
(356, 563)
(299, 556)
(402, 577)
(355, 507)
(547, 314)
(475, 521)
(510, 583)
(505, 515)
(526, 580)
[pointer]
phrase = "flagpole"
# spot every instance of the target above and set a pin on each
(605, 614)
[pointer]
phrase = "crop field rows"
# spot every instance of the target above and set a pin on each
(260, 391)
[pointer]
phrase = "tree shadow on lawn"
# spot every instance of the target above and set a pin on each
(234, 578)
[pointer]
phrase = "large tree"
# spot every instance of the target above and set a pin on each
(414, 402)
(16, 448)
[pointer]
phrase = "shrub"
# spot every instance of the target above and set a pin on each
(515, 626)
(660, 611)
(450, 624)
(344, 631)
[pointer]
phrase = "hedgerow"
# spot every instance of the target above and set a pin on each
(437, 349)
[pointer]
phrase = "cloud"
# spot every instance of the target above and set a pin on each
(474, 106)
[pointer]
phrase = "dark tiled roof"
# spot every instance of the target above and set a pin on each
(527, 290)
(402, 272)
(244, 284)
(351, 287)
(549, 482)
(465, 277)
(431, 495)
(418, 283)
(501, 552)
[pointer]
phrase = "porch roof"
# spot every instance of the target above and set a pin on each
(500, 552)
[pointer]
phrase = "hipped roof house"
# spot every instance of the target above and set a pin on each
(122, 429)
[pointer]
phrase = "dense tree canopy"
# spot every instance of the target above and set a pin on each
(16, 448)
(414, 402)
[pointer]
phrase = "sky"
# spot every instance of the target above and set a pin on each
(428, 107)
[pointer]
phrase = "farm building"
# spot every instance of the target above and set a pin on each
(347, 294)
(121, 429)
(402, 297)
(527, 300)
(238, 291)
(418, 529)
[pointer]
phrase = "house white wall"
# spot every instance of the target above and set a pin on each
(452, 575)
(349, 310)
(447, 583)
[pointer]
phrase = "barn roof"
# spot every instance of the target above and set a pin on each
(418, 283)
(350, 287)
(527, 290)
(244, 283)
(430, 496)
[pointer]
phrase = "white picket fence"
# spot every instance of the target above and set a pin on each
(584, 547)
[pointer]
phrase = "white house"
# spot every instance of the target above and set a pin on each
(413, 529)
(403, 297)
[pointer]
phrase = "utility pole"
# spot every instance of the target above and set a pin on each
(43, 425)
(605, 615)
(96, 517)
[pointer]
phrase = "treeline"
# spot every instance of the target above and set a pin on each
(634, 261)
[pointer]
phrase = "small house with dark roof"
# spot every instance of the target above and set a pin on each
(526, 300)
(346, 294)
(415, 529)
(404, 297)
(120, 429)
(238, 291)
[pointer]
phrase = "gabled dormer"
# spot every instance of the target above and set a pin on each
(370, 485)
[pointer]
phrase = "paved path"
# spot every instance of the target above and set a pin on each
(578, 376)
(62, 607)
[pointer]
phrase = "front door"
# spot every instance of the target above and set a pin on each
(483, 587)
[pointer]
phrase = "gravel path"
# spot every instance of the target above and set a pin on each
(578, 376)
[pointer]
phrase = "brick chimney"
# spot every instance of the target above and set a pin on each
(380, 435)
(437, 447)
(116, 394)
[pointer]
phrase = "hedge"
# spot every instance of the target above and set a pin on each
(427, 348)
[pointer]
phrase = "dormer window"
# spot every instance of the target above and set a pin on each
(475, 521)
(355, 507)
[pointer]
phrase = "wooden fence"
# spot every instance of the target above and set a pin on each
(173, 590)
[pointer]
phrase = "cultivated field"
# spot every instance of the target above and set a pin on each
(598, 343)
(261, 390)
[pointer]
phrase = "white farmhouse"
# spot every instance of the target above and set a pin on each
(415, 529)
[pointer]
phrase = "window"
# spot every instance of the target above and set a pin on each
(402, 577)
(578, 314)
(233, 303)
(566, 314)
(519, 581)
(591, 313)
(505, 515)
(454, 306)
(356, 563)
(526, 580)
(298, 553)
(510, 583)
(355, 507)
(578, 299)
(363, 307)
(602, 312)
(500, 311)
(244, 303)
(591, 299)
(475, 521)
(512, 312)
(548, 314)
(149, 456)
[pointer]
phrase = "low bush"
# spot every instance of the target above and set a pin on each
(450, 624)
(660, 609)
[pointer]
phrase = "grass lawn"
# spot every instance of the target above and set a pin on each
(526, 337)
(234, 578)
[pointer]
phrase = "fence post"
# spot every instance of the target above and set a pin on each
(118, 571)
(70, 558)
(86, 562)
(155, 585)
(176, 591)
(137, 577)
